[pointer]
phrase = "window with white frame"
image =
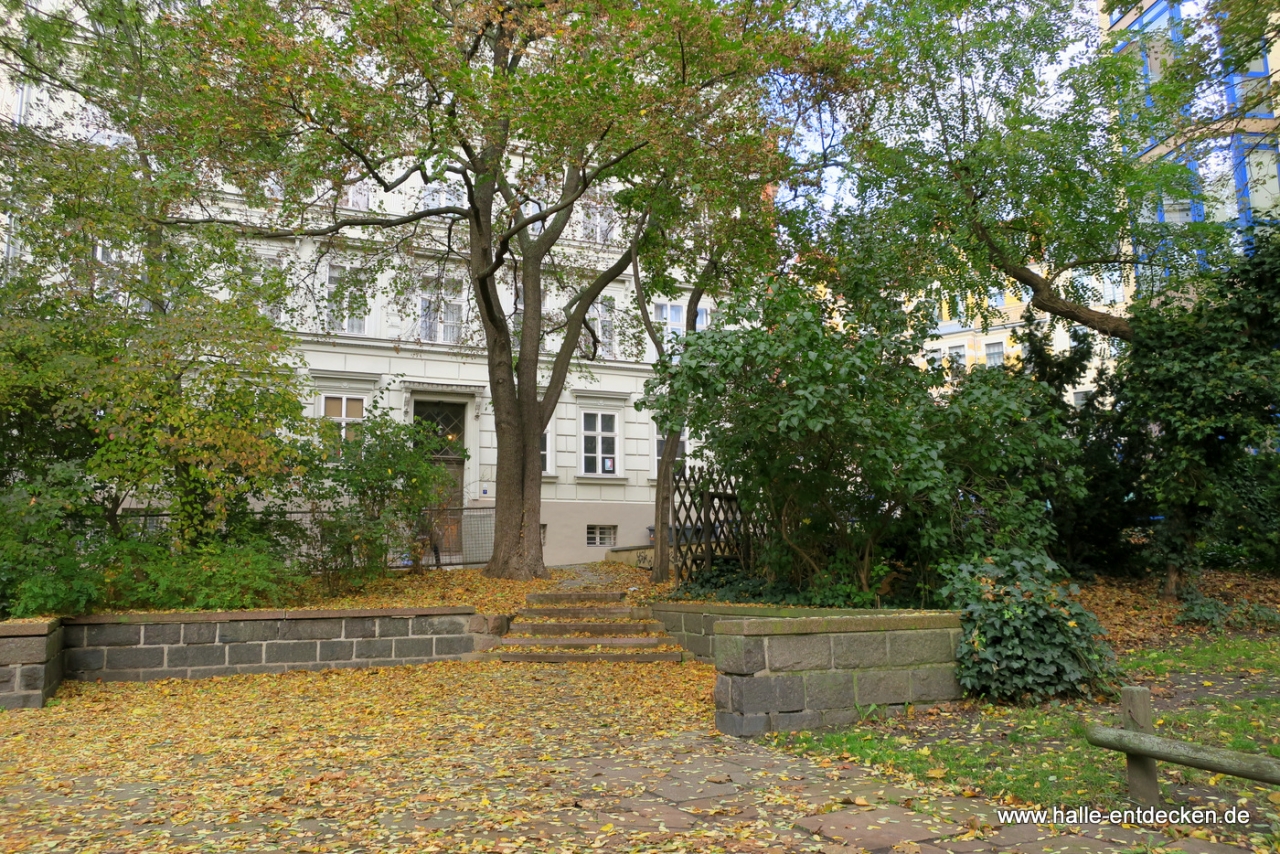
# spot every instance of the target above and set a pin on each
(1080, 398)
(670, 316)
(441, 320)
(346, 410)
(598, 223)
(600, 318)
(957, 360)
(704, 319)
(1112, 287)
(548, 453)
(995, 297)
(338, 319)
(995, 354)
(354, 196)
(602, 535)
(599, 443)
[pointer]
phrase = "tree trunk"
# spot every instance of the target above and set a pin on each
(662, 508)
(1172, 582)
(517, 533)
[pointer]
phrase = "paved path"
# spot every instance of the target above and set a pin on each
(455, 757)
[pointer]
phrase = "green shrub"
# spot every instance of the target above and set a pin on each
(1025, 638)
(1199, 609)
(48, 548)
(213, 577)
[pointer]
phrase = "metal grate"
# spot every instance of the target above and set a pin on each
(452, 536)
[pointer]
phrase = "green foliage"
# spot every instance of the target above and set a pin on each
(1197, 396)
(49, 550)
(1198, 609)
(210, 577)
(377, 498)
(1010, 147)
(854, 454)
(1024, 637)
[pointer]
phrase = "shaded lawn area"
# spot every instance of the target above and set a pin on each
(1223, 692)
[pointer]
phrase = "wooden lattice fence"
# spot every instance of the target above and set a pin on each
(709, 523)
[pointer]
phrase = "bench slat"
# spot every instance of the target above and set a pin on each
(1250, 766)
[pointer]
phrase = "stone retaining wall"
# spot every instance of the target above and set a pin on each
(807, 672)
(35, 657)
(30, 663)
(693, 625)
(195, 645)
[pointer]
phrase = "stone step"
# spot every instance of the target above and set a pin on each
(582, 597)
(622, 641)
(568, 657)
(618, 628)
(588, 612)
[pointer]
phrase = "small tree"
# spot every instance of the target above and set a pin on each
(375, 498)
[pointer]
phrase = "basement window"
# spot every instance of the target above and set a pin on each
(602, 535)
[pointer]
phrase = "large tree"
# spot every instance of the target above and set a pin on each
(489, 128)
(1023, 146)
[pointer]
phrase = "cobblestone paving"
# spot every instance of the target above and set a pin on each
(458, 756)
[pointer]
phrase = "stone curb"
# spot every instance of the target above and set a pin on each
(840, 625)
(239, 616)
(26, 630)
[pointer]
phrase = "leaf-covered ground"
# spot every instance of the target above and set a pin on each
(1136, 618)
(445, 757)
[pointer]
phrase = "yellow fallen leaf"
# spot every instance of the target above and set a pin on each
(1274, 797)
(861, 802)
(936, 773)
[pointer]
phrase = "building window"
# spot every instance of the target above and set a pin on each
(354, 196)
(995, 354)
(346, 411)
(670, 315)
(957, 360)
(1079, 398)
(441, 321)
(1112, 287)
(546, 455)
(600, 318)
(602, 535)
(661, 445)
(704, 319)
(995, 297)
(338, 320)
(599, 443)
(933, 357)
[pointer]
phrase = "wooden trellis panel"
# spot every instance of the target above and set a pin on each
(708, 523)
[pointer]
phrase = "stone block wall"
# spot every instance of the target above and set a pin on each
(198, 645)
(693, 626)
(808, 672)
(30, 663)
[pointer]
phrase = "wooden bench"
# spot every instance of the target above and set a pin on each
(1142, 748)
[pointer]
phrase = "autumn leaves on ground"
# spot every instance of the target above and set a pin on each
(484, 756)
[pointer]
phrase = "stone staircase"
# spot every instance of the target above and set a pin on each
(585, 626)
